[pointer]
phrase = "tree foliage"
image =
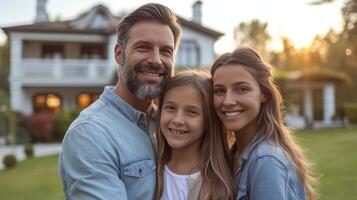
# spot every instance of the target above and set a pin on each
(4, 67)
(253, 34)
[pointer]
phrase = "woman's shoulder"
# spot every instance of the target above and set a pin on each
(268, 151)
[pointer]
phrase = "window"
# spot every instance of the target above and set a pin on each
(188, 54)
(47, 102)
(85, 99)
(52, 51)
(92, 51)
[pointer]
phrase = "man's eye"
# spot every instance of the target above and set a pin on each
(143, 47)
(167, 52)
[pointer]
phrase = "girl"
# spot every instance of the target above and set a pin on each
(268, 162)
(192, 160)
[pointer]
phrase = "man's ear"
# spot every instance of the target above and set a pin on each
(117, 51)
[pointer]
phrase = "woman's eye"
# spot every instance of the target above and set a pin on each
(218, 91)
(243, 89)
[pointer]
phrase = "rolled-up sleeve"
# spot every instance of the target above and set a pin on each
(269, 179)
(89, 165)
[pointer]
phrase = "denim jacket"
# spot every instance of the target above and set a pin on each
(266, 173)
(107, 153)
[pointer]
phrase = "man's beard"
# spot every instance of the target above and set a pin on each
(142, 90)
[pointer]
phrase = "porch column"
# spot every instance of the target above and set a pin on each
(17, 97)
(308, 104)
(329, 102)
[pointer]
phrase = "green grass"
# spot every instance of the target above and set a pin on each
(34, 179)
(334, 151)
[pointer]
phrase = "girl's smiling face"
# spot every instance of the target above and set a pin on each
(182, 117)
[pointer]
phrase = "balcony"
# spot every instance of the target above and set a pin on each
(63, 72)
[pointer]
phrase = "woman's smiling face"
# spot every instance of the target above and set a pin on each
(237, 97)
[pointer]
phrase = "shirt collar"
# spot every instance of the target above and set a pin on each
(251, 146)
(121, 105)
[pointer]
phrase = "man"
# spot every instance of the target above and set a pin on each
(107, 151)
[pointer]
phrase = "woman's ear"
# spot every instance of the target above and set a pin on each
(263, 98)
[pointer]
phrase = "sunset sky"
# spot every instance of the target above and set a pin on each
(295, 19)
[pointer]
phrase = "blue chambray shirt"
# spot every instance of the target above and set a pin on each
(107, 152)
(266, 173)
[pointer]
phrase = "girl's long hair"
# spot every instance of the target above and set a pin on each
(217, 181)
(270, 118)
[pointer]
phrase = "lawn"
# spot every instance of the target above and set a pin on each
(334, 151)
(34, 179)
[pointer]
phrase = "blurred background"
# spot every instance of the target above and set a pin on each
(57, 55)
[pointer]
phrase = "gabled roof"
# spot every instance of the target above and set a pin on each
(72, 26)
(85, 23)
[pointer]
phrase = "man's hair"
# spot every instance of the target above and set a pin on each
(148, 12)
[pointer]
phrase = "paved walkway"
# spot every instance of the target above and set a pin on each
(39, 150)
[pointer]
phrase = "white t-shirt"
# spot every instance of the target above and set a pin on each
(176, 186)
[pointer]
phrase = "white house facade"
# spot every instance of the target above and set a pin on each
(62, 64)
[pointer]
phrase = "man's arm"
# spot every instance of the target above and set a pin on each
(89, 166)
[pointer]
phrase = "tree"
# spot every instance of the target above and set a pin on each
(349, 12)
(4, 66)
(253, 34)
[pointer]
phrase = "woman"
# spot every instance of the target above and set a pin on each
(268, 162)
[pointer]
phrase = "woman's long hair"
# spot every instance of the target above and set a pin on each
(217, 181)
(270, 118)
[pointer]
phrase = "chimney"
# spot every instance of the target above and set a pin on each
(41, 14)
(197, 12)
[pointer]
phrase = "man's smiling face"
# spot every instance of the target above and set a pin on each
(147, 59)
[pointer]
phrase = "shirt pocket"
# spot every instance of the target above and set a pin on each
(242, 194)
(139, 168)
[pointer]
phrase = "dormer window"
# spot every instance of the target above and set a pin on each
(188, 54)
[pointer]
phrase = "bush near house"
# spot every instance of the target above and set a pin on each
(351, 112)
(41, 126)
(28, 150)
(63, 120)
(9, 161)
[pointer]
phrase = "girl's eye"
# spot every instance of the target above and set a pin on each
(169, 108)
(192, 113)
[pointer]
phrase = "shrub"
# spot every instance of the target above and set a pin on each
(28, 150)
(41, 126)
(63, 120)
(351, 112)
(9, 161)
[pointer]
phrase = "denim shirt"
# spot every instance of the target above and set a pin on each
(266, 173)
(107, 152)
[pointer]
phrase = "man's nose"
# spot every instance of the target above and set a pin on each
(155, 57)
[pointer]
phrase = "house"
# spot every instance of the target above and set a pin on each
(60, 64)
